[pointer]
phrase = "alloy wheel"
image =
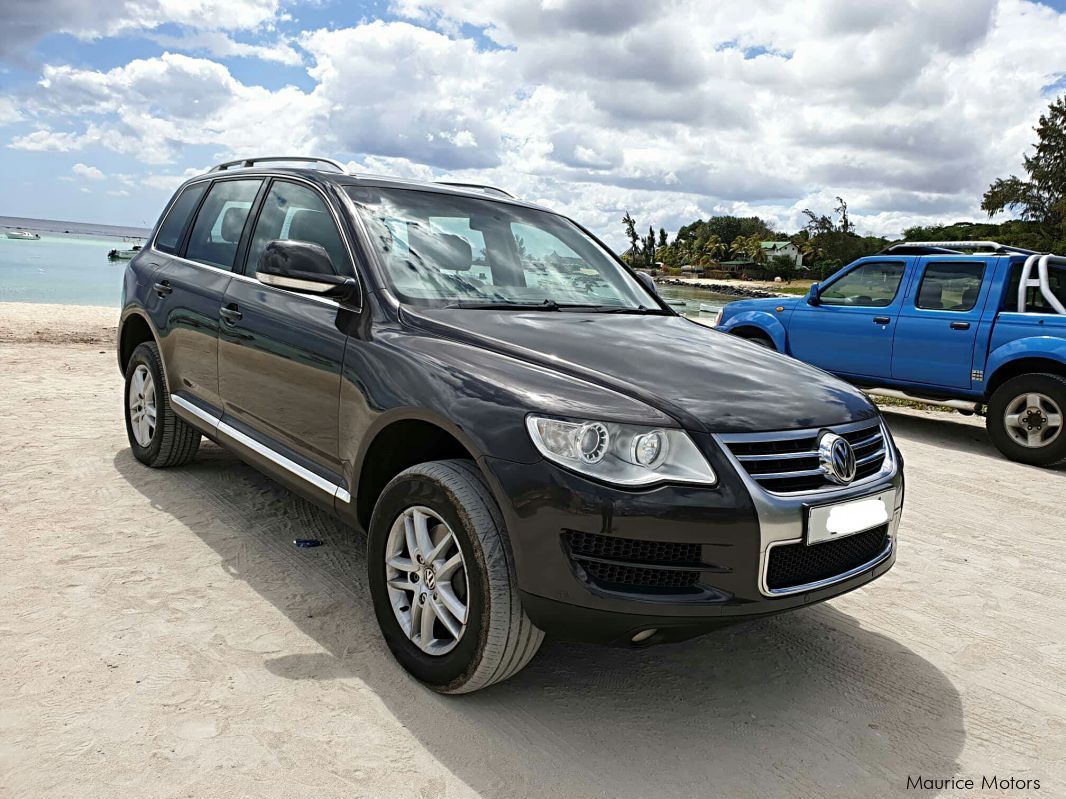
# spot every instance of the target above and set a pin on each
(142, 404)
(427, 580)
(1033, 420)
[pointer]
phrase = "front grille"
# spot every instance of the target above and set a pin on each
(787, 462)
(632, 565)
(791, 565)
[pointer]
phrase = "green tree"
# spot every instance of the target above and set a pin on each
(663, 243)
(1041, 198)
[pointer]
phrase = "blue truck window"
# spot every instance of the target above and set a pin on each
(872, 285)
(950, 287)
(1035, 301)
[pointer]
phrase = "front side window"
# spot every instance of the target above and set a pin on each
(443, 249)
(950, 287)
(293, 212)
(868, 286)
(218, 227)
(170, 232)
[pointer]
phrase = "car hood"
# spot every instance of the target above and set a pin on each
(706, 380)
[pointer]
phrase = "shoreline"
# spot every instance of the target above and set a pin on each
(728, 288)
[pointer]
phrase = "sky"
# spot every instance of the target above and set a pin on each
(674, 110)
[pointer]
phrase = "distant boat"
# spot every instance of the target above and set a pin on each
(705, 308)
(23, 235)
(676, 303)
(124, 255)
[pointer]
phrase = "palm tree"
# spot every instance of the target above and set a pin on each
(714, 248)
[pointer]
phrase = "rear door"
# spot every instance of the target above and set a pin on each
(281, 352)
(189, 288)
(850, 330)
(937, 328)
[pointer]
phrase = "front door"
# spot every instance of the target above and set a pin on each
(937, 328)
(849, 331)
(280, 352)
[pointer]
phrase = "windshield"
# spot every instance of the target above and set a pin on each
(443, 249)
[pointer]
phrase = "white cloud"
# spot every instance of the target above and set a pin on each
(9, 112)
(908, 109)
(87, 172)
(27, 21)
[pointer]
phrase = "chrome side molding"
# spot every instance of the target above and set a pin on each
(223, 429)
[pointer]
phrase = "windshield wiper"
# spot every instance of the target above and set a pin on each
(547, 305)
(640, 309)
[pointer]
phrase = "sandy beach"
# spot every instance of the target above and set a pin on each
(161, 636)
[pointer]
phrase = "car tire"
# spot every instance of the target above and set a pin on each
(1037, 398)
(498, 639)
(760, 339)
(157, 436)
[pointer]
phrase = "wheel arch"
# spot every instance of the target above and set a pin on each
(1025, 356)
(134, 329)
(401, 440)
(760, 322)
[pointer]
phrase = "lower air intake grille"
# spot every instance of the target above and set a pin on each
(797, 564)
(633, 565)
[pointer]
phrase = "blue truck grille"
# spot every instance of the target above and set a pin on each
(787, 462)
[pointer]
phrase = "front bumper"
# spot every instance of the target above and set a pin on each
(730, 529)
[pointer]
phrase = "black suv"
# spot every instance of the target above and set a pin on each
(533, 441)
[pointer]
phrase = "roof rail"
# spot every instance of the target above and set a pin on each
(247, 162)
(942, 247)
(477, 186)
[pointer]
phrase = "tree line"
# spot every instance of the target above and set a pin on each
(828, 241)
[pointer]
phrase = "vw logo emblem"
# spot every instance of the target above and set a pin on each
(431, 579)
(836, 458)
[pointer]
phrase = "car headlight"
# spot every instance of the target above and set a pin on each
(623, 454)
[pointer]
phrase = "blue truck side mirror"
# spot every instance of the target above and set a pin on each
(812, 294)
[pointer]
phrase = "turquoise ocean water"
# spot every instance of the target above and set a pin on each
(68, 265)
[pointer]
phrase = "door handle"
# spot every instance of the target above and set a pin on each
(231, 314)
(162, 288)
(960, 325)
(882, 320)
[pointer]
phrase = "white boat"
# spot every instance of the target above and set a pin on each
(676, 303)
(705, 308)
(23, 235)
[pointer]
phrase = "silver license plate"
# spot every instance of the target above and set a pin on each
(826, 522)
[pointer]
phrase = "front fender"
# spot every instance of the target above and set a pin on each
(762, 320)
(1049, 347)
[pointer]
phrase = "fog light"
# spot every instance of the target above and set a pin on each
(644, 635)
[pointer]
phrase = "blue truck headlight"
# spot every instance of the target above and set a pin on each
(621, 454)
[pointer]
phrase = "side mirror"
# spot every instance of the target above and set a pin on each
(812, 294)
(647, 282)
(305, 268)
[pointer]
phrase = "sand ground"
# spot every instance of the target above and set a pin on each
(160, 636)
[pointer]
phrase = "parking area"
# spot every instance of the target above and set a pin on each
(161, 636)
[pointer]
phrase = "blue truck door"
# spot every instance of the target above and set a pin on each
(937, 327)
(850, 330)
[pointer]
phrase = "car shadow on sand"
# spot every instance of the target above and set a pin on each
(951, 431)
(809, 703)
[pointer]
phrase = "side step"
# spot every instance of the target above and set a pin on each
(964, 406)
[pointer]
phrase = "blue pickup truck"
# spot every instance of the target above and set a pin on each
(978, 326)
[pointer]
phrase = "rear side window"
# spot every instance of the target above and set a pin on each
(218, 227)
(292, 212)
(868, 286)
(1034, 298)
(950, 287)
(177, 220)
